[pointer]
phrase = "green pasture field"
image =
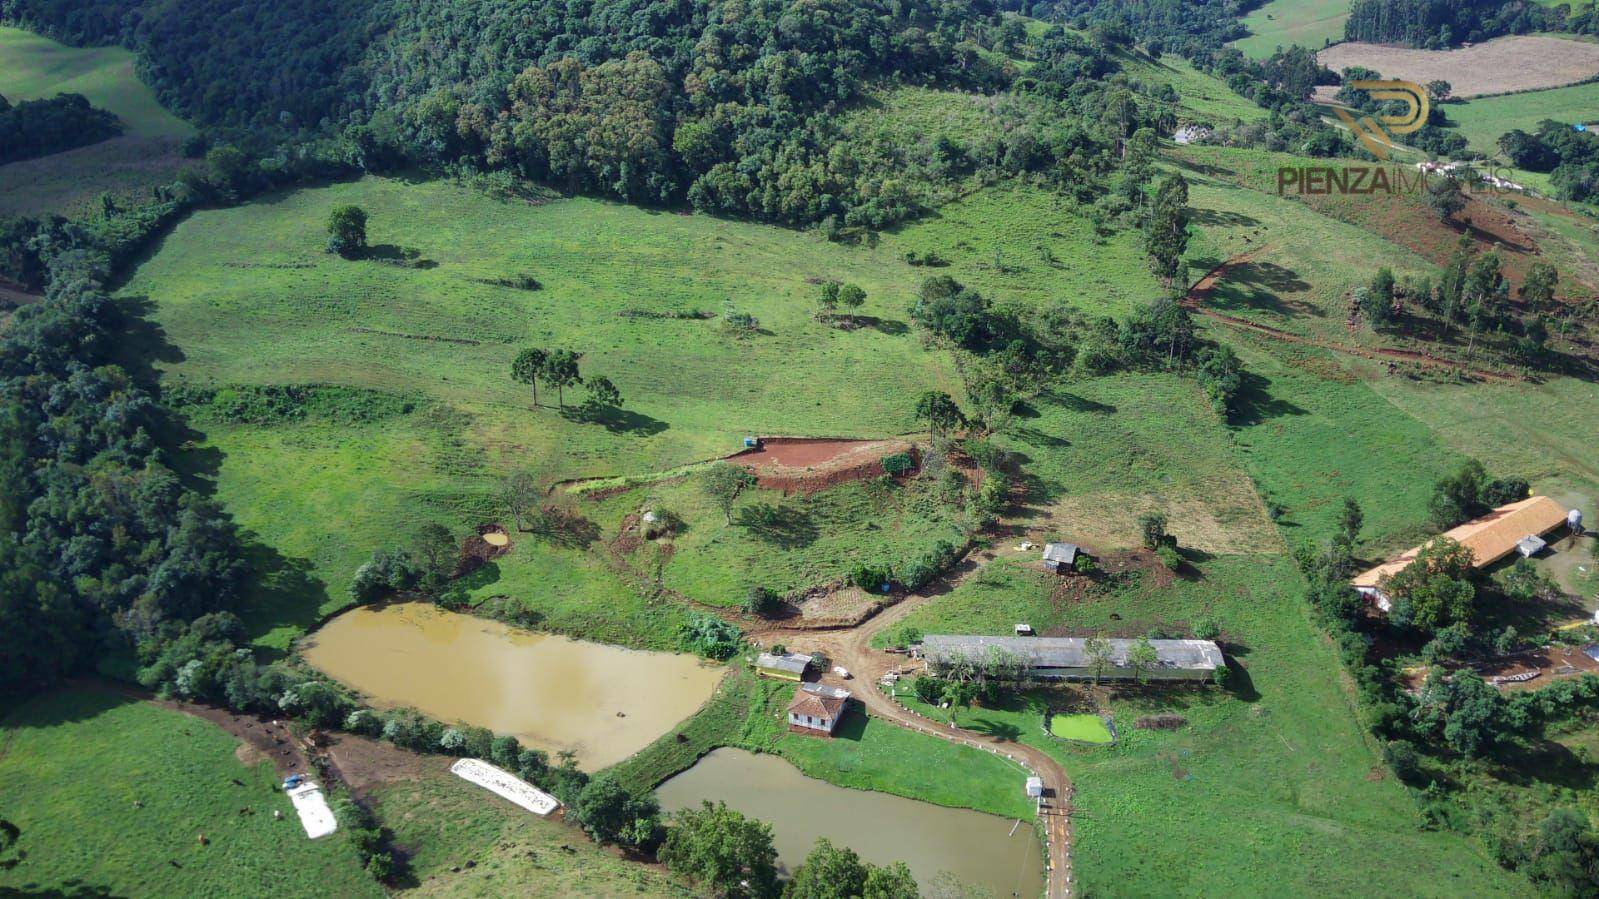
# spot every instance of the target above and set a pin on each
(447, 823)
(1202, 98)
(1030, 249)
(808, 539)
(865, 754)
(1098, 453)
(1304, 263)
(34, 67)
(247, 296)
(1283, 23)
(1482, 120)
(112, 794)
(1269, 781)
(1312, 433)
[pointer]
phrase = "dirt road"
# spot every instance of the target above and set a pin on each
(851, 649)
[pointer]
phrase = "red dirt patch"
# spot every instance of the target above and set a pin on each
(808, 464)
(490, 542)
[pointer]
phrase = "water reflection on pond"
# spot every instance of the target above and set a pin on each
(978, 849)
(603, 702)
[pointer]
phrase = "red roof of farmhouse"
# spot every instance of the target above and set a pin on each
(1490, 538)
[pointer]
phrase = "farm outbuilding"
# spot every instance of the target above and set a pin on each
(816, 708)
(1060, 557)
(1517, 527)
(786, 666)
(1067, 658)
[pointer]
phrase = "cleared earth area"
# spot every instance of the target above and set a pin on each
(1499, 66)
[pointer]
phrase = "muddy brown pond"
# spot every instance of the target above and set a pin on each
(979, 850)
(602, 702)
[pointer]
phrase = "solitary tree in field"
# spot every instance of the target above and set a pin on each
(1142, 657)
(1445, 197)
(1166, 235)
(347, 231)
(723, 482)
(1377, 303)
(1098, 649)
(1440, 90)
(560, 371)
(520, 493)
(435, 555)
(528, 368)
(851, 297)
(1152, 525)
(939, 411)
(827, 299)
(602, 394)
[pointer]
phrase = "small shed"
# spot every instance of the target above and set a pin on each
(1530, 546)
(1060, 557)
(787, 666)
(1024, 630)
(816, 708)
(1035, 787)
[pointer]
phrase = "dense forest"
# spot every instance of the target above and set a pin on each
(41, 127)
(1439, 24)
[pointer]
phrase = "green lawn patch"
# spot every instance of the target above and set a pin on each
(865, 754)
(1482, 120)
(112, 793)
(1283, 23)
(1084, 728)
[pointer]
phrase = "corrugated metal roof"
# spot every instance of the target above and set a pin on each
(792, 662)
(1063, 553)
(1490, 538)
(1070, 652)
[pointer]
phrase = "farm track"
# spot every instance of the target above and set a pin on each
(1194, 301)
(851, 648)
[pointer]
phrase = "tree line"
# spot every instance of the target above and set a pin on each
(33, 128)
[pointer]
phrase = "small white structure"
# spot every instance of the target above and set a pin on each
(312, 807)
(841, 671)
(1024, 630)
(1035, 787)
(1530, 546)
(505, 785)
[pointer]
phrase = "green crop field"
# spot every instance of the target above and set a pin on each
(34, 67)
(1283, 23)
(1484, 119)
(112, 794)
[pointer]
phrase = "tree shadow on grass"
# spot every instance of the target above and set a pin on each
(1547, 762)
(998, 730)
(1254, 403)
(1075, 402)
(1222, 218)
(283, 592)
(891, 327)
(783, 526)
(391, 254)
(616, 420)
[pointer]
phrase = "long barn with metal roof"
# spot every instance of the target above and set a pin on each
(1068, 657)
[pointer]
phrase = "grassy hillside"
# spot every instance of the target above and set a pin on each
(1283, 23)
(1202, 98)
(247, 296)
(112, 794)
(33, 67)
(1483, 120)
(1269, 782)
